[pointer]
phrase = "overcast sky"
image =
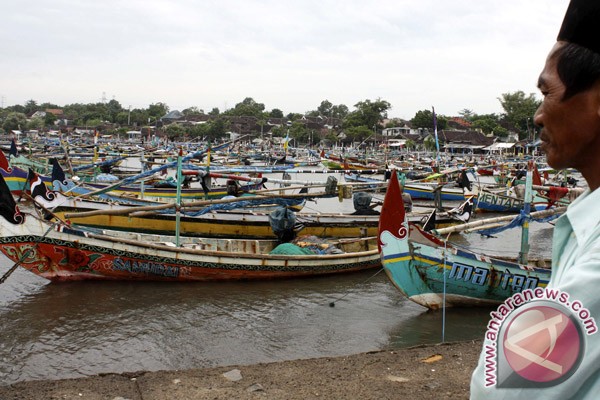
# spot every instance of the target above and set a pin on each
(291, 55)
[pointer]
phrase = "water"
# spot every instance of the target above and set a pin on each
(53, 331)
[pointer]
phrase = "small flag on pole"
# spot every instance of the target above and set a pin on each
(437, 143)
(286, 140)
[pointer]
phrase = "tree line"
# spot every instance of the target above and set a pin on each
(365, 119)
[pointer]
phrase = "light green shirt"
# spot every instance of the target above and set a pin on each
(575, 271)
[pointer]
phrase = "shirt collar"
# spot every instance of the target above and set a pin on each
(584, 214)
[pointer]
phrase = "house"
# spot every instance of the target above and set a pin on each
(501, 148)
(38, 114)
(458, 123)
(134, 136)
(396, 131)
(172, 116)
(459, 141)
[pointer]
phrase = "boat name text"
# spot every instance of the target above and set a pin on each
(153, 268)
(479, 276)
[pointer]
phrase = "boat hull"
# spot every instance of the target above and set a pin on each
(436, 274)
(70, 255)
(243, 225)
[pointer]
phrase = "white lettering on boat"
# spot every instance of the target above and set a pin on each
(149, 267)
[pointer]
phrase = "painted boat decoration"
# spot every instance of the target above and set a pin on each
(58, 252)
(435, 273)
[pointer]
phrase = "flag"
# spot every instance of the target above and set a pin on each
(286, 140)
(13, 149)
(437, 143)
(95, 146)
(8, 205)
(429, 224)
(464, 211)
(37, 188)
(4, 162)
(463, 180)
(57, 172)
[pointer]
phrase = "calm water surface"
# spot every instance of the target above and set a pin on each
(52, 331)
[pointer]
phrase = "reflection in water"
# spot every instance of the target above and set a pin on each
(428, 327)
(83, 328)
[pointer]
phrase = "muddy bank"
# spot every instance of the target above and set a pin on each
(426, 372)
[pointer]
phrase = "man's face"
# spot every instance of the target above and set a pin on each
(571, 128)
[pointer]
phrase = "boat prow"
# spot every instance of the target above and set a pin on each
(435, 274)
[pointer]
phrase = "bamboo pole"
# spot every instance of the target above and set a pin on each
(523, 254)
(128, 210)
(178, 199)
(487, 221)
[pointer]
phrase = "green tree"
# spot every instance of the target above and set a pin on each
(139, 117)
(466, 114)
(122, 118)
(429, 143)
(212, 130)
(487, 123)
(368, 114)
(36, 123)
(410, 144)
(93, 123)
(218, 128)
(340, 111)
(49, 119)
(113, 108)
(192, 111)
(45, 106)
(157, 110)
(247, 108)
(325, 108)
(358, 134)
(215, 111)
(424, 119)
(294, 116)
(14, 121)
(519, 110)
(174, 131)
(299, 132)
(276, 113)
(31, 106)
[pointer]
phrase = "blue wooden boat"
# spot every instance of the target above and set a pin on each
(498, 202)
(417, 190)
(435, 273)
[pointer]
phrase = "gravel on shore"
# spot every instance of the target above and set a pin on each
(441, 371)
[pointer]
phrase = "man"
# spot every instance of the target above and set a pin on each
(545, 343)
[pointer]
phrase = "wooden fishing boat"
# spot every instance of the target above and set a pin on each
(16, 179)
(59, 252)
(231, 223)
(435, 273)
(490, 201)
(418, 190)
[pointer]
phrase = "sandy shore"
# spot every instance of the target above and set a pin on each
(426, 372)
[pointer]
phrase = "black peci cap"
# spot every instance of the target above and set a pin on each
(581, 25)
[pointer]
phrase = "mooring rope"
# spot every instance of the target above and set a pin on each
(332, 304)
